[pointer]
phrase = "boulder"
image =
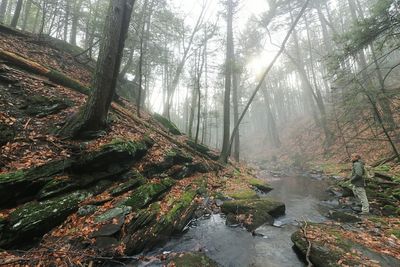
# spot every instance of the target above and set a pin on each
(253, 213)
(147, 230)
(37, 218)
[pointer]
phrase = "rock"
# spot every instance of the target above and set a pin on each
(327, 254)
(172, 157)
(169, 126)
(41, 106)
(86, 210)
(34, 219)
(343, 216)
(108, 162)
(136, 180)
(219, 202)
(104, 242)
(107, 230)
(202, 149)
(147, 193)
(146, 230)
(113, 213)
(260, 185)
(255, 212)
(192, 259)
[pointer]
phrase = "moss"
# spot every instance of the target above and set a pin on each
(244, 194)
(389, 210)
(147, 193)
(382, 168)
(170, 126)
(182, 204)
(34, 219)
(395, 232)
(260, 185)
(62, 79)
(121, 145)
(12, 177)
(198, 147)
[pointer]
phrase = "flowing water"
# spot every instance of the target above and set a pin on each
(305, 198)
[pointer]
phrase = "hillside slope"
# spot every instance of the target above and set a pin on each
(72, 202)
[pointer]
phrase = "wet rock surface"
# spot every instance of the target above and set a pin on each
(253, 212)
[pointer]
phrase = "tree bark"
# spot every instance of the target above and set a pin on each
(17, 13)
(75, 21)
(3, 10)
(93, 116)
(27, 12)
(225, 152)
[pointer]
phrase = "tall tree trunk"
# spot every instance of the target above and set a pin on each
(75, 21)
(27, 13)
(3, 10)
(228, 83)
(235, 101)
(17, 13)
(93, 116)
(272, 129)
(66, 19)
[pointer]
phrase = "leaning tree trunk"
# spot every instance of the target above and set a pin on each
(17, 13)
(93, 116)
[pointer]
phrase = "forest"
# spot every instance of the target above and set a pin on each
(168, 132)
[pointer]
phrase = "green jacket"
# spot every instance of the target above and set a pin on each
(357, 174)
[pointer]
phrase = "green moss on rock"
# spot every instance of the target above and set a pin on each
(147, 193)
(36, 218)
(260, 185)
(244, 194)
(170, 126)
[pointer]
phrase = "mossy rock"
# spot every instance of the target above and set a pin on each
(37, 218)
(338, 248)
(109, 162)
(148, 193)
(192, 259)
(259, 210)
(260, 185)
(390, 210)
(244, 194)
(319, 255)
(146, 231)
(202, 149)
(113, 213)
(42, 106)
(170, 126)
(56, 187)
(7, 133)
(343, 217)
(171, 158)
(136, 180)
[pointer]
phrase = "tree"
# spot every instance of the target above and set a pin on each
(225, 152)
(93, 115)
(3, 10)
(17, 13)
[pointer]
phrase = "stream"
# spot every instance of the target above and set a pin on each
(305, 198)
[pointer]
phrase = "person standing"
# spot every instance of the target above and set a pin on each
(357, 180)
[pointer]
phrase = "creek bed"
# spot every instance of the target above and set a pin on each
(305, 198)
